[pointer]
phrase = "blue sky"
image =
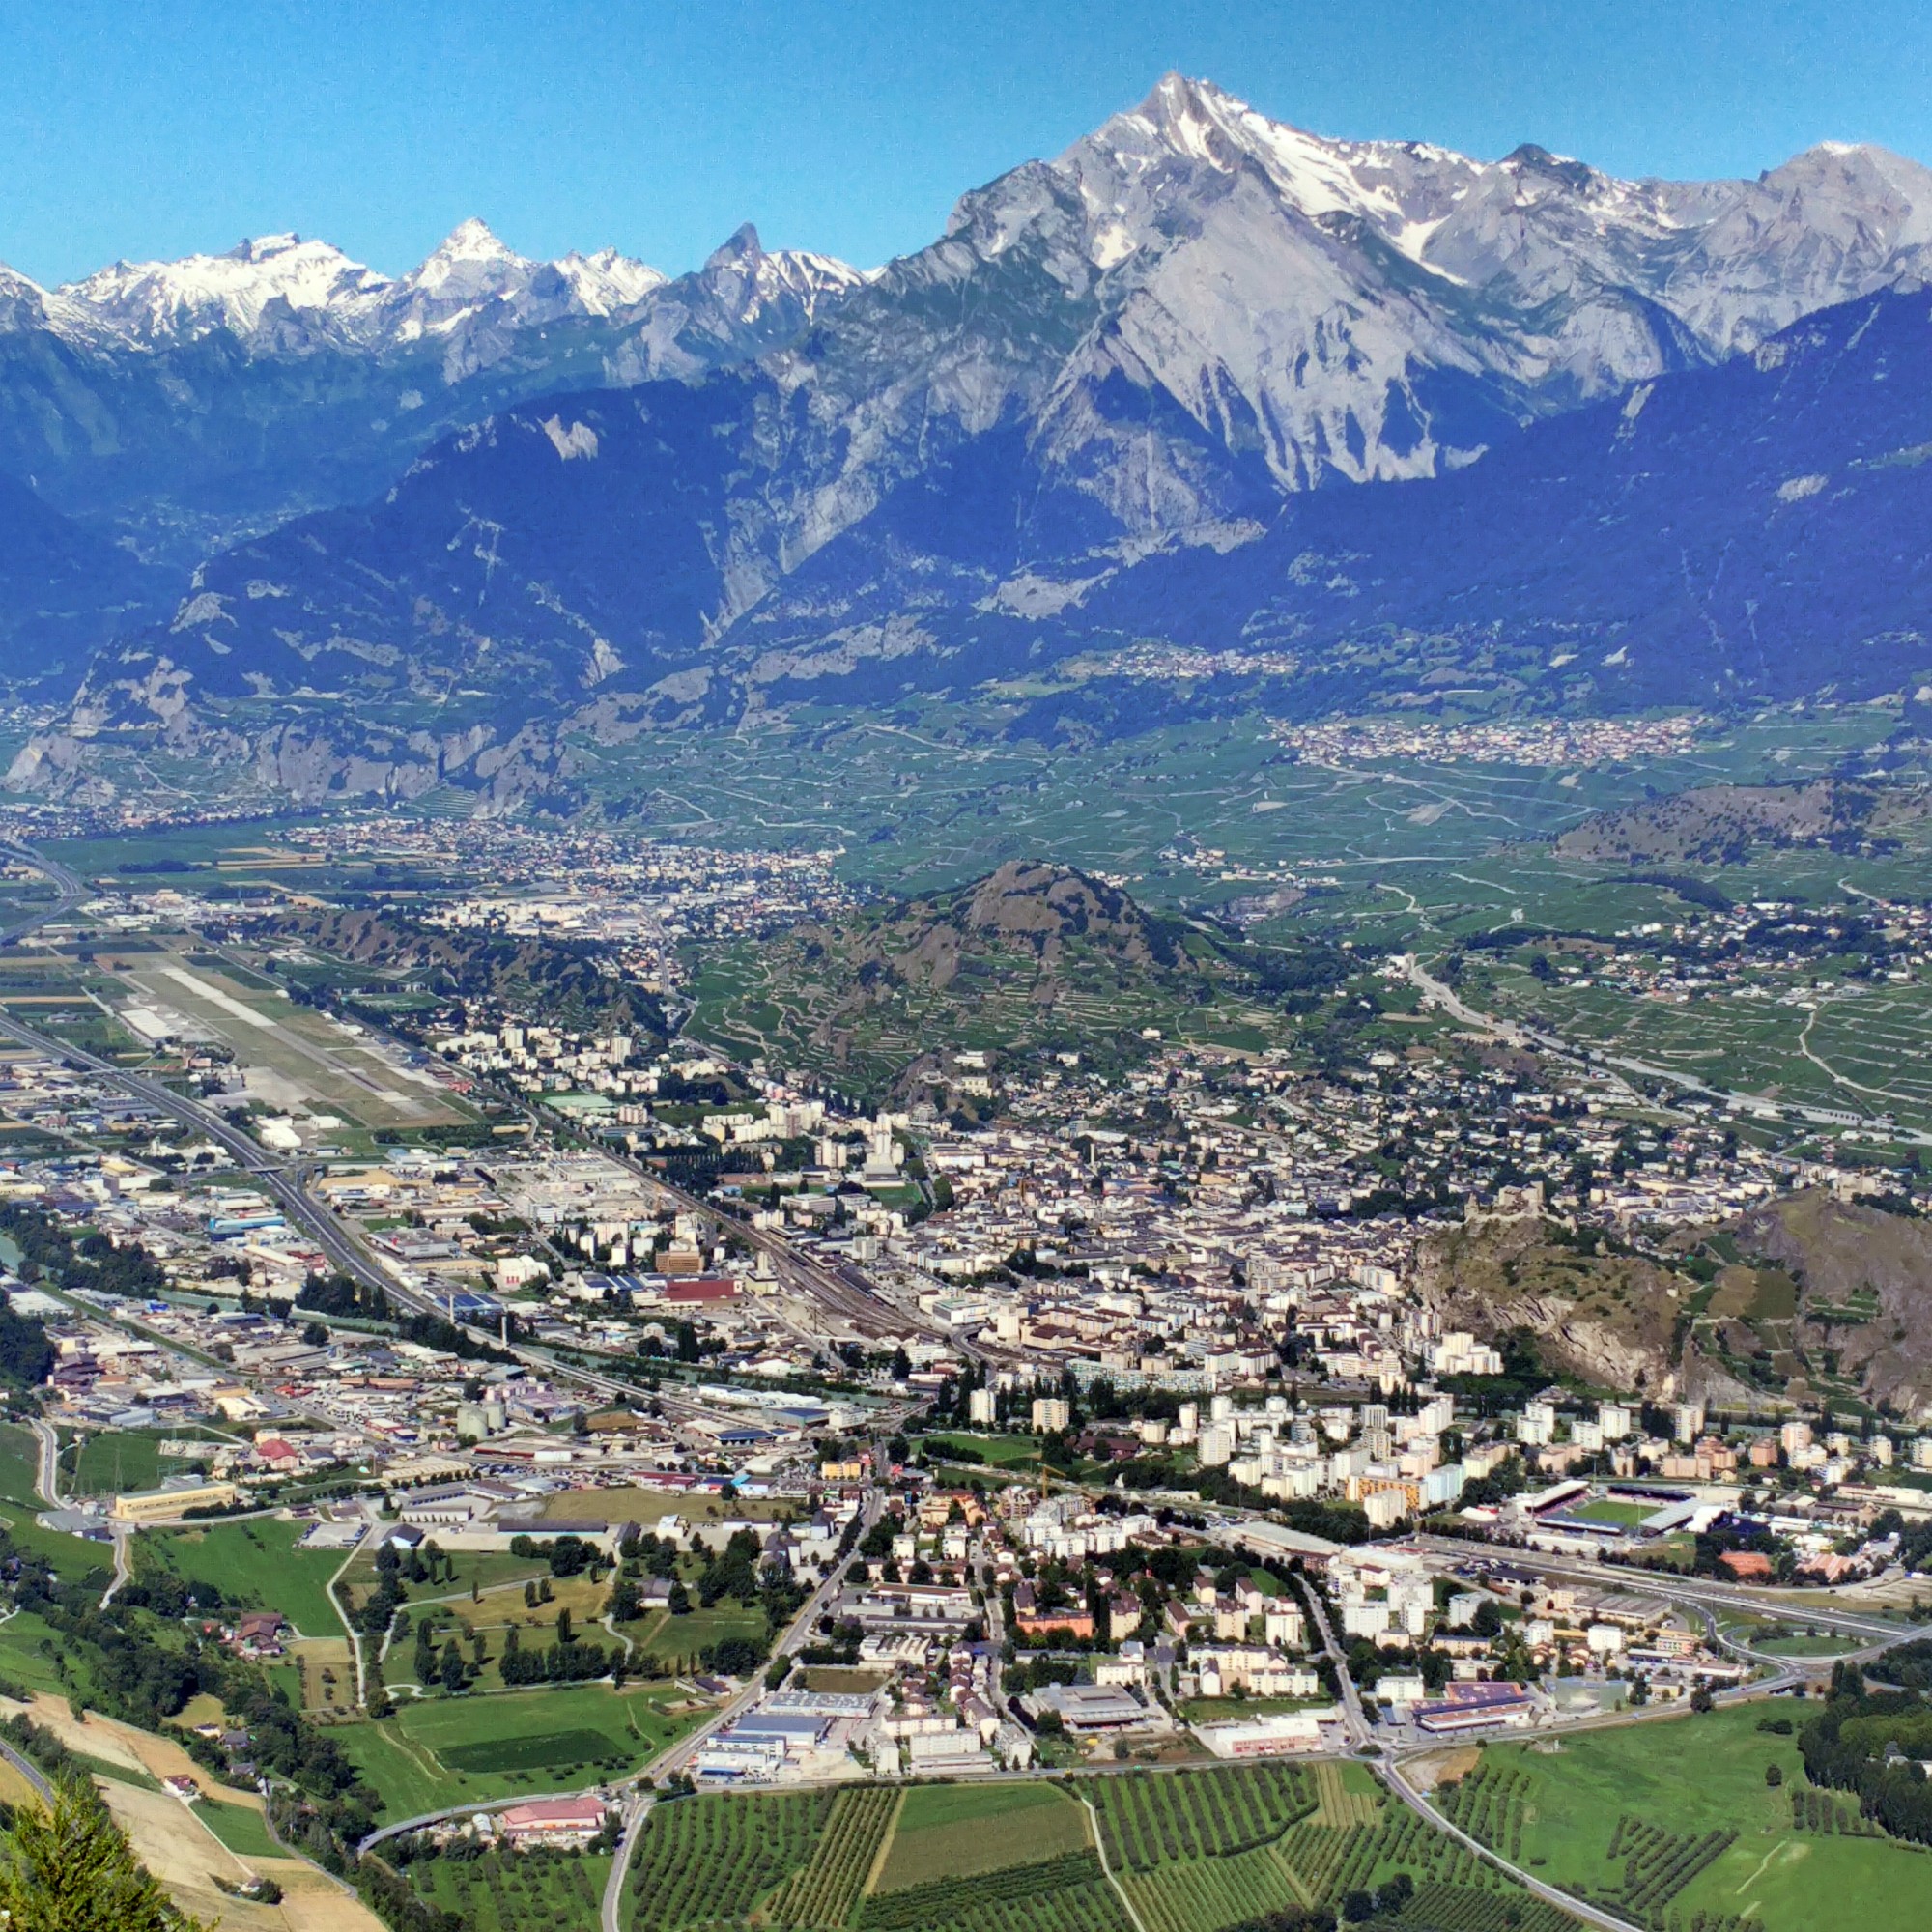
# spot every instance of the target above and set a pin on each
(166, 125)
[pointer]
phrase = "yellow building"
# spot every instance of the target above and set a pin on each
(164, 1505)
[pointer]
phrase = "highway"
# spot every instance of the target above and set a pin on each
(1697, 1591)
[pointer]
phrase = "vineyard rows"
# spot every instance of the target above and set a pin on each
(1150, 1821)
(1336, 1804)
(1065, 1894)
(1456, 1908)
(1314, 1854)
(706, 1860)
(1208, 1892)
(824, 1891)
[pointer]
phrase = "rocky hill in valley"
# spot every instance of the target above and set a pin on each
(1031, 959)
(1605, 1319)
(1718, 825)
(560, 979)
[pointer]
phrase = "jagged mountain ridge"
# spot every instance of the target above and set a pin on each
(1722, 535)
(1191, 292)
(186, 403)
(1109, 405)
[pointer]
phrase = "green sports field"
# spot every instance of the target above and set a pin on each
(1000, 1452)
(112, 1461)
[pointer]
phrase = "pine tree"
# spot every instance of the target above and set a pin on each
(72, 1871)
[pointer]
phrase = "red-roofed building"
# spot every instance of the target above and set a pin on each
(258, 1634)
(552, 1821)
(277, 1454)
(701, 1287)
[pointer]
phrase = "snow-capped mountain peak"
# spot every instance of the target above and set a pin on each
(153, 301)
(469, 251)
(608, 282)
(1190, 308)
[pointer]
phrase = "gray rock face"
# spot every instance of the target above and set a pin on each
(1115, 396)
(189, 403)
(1191, 299)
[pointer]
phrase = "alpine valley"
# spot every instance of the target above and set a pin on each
(1365, 421)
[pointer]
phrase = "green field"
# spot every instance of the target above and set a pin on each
(474, 1570)
(510, 1892)
(1808, 1643)
(240, 1828)
(560, 1751)
(254, 1563)
(1608, 1510)
(1673, 1819)
(29, 1648)
(961, 1831)
(445, 1750)
(1000, 1452)
(117, 1459)
(678, 1641)
(116, 1771)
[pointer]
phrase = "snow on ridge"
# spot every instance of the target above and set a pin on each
(146, 301)
(266, 281)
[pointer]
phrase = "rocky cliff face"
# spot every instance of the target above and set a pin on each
(1190, 277)
(1605, 1319)
(1864, 1282)
(1115, 401)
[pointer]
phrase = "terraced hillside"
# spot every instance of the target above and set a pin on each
(1030, 960)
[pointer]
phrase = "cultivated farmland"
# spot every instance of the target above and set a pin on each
(959, 1831)
(1070, 1894)
(824, 1891)
(509, 1892)
(705, 1859)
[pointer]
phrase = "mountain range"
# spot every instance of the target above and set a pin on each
(1619, 442)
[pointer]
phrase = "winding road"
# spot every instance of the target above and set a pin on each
(1513, 1032)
